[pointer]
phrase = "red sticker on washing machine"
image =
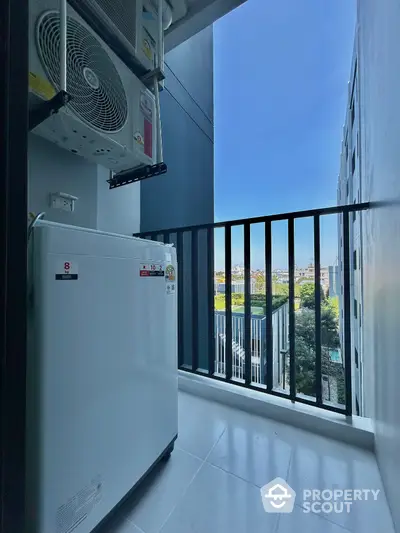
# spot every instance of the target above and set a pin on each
(149, 270)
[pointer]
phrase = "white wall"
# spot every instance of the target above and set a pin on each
(379, 22)
(52, 169)
(118, 210)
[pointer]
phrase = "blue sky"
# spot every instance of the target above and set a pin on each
(281, 71)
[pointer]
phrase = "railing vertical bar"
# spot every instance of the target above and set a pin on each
(179, 253)
(347, 313)
(268, 307)
(166, 237)
(211, 305)
(224, 345)
(247, 305)
(317, 291)
(195, 299)
(292, 318)
(228, 302)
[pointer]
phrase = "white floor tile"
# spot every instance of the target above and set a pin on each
(306, 523)
(319, 463)
(243, 452)
(255, 454)
(162, 491)
(200, 425)
(217, 502)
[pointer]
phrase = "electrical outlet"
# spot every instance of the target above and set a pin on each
(63, 201)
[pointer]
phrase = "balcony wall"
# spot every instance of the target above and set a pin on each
(185, 195)
(379, 23)
(52, 169)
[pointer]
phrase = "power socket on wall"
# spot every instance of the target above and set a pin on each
(63, 201)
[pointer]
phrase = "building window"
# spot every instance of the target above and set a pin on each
(353, 98)
(355, 308)
(357, 407)
(353, 162)
(341, 289)
(354, 81)
(360, 315)
(356, 357)
(347, 188)
(355, 259)
(354, 213)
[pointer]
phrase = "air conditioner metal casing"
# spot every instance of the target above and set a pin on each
(131, 23)
(132, 144)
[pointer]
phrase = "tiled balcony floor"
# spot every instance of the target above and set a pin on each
(211, 484)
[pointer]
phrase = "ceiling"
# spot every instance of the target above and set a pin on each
(192, 16)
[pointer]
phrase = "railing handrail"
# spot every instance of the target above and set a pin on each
(334, 210)
(271, 371)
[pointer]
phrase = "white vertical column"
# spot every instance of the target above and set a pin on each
(63, 45)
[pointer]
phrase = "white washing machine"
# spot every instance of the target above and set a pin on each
(102, 371)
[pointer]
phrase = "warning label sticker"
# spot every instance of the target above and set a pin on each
(170, 279)
(41, 86)
(148, 270)
(67, 271)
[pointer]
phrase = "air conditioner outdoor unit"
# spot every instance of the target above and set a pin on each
(111, 118)
(102, 382)
(131, 25)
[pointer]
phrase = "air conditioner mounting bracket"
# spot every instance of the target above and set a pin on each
(127, 177)
(44, 110)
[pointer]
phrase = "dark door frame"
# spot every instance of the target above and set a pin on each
(13, 240)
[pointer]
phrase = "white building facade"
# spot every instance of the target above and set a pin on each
(350, 192)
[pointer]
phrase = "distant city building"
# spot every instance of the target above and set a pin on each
(350, 192)
(238, 269)
(334, 281)
(237, 287)
(305, 275)
(280, 329)
(324, 272)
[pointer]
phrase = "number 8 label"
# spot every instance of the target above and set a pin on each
(67, 266)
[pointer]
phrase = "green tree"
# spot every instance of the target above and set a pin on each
(280, 289)
(329, 327)
(238, 298)
(259, 285)
(333, 304)
(307, 295)
(305, 350)
(305, 327)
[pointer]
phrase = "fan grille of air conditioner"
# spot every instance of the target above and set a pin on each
(122, 13)
(98, 96)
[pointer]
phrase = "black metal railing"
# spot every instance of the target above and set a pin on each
(197, 335)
